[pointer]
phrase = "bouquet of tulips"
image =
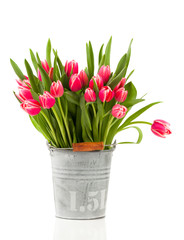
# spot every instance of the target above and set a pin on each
(68, 106)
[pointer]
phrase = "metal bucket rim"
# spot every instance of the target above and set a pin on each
(50, 147)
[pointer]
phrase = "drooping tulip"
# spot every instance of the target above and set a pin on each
(119, 111)
(47, 100)
(24, 94)
(105, 73)
(71, 66)
(90, 95)
(160, 128)
(98, 81)
(25, 84)
(106, 94)
(51, 71)
(120, 95)
(56, 89)
(120, 84)
(45, 66)
(75, 83)
(31, 106)
(84, 78)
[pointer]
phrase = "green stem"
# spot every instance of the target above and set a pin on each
(107, 128)
(94, 110)
(65, 122)
(50, 125)
(60, 127)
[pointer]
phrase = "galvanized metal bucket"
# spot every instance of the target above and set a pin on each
(80, 182)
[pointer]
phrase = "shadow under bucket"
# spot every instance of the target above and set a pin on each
(80, 182)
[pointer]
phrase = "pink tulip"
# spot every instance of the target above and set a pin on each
(84, 78)
(47, 100)
(105, 73)
(31, 106)
(120, 84)
(57, 89)
(24, 94)
(51, 71)
(98, 81)
(69, 66)
(119, 111)
(75, 83)
(90, 95)
(25, 84)
(160, 128)
(120, 95)
(106, 94)
(45, 66)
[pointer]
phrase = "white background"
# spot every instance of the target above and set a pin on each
(146, 192)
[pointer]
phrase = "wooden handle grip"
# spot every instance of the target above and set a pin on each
(87, 146)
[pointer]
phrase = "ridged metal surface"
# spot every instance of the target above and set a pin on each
(80, 182)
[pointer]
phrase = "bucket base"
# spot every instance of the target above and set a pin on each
(83, 219)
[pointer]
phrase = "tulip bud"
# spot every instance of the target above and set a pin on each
(24, 94)
(106, 94)
(119, 111)
(84, 78)
(31, 106)
(98, 81)
(105, 73)
(56, 89)
(51, 71)
(71, 66)
(120, 94)
(47, 100)
(45, 66)
(75, 83)
(120, 84)
(160, 128)
(90, 95)
(25, 84)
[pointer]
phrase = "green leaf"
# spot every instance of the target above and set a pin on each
(48, 53)
(131, 102)
(33, 58)
(38, 59)
(45, 78)
(132, 92)
(31, 77)
(128, 55)
(17, 70)
(135, 115)
(100, 54)
(121, 65)
(72, 97)
(61, 67)
(91, 57)
(113, 82)
(139, 138)
(35, 95)
(85, 113)
(90, 60)
(101, 62)
(16, 97)
(130, 74)
(108, 52)
(78, 125)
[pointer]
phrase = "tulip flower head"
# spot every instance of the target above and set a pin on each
(120, 95)
(71, 67)
(105, 73)
(75, 83)
(31, 106)
(98, 81)
(47, 100)
(84, 78)
(119, 111)
(45, 66)
(24, 94)
(120, 84)
(57, 89)
(106, 94)
(90, 95)
(160, 128)
(25, 84)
